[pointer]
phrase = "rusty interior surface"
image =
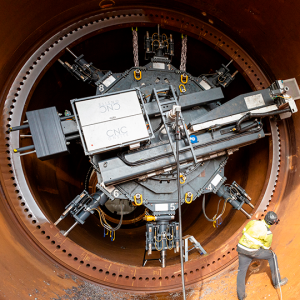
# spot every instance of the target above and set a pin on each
(34, 193)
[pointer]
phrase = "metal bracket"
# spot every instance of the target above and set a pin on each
(102, 189)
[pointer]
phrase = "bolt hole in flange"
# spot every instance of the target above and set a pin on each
(46, 187)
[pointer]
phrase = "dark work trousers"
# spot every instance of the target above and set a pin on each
(245, 258)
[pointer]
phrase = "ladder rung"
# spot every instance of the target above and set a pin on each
(186, 147)
(162, 90)
(167, 102)
(163, 114)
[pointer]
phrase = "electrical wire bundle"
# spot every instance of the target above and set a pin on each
(104, 223)
(216, 217)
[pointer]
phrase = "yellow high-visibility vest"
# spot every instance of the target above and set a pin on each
(256, 234)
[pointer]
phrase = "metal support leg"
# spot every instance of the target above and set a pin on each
(186, 250)
(196, 244)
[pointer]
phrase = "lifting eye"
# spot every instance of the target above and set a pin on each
(137, 75)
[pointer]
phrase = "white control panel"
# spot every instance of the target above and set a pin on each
(111, 121)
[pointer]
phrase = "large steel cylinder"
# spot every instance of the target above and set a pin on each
(36, 260)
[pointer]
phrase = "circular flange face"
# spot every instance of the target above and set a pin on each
(22, 199)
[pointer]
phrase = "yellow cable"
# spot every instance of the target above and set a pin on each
(167, 43)
(102, 218)
(168, 246)
(165, 36)
(282, 97)
(220, 80)
(155, 237)
(172, 235)
(157, 248)
(157, 93)
(158, 43)
(157, 242)
(221, 214)
(154, 34)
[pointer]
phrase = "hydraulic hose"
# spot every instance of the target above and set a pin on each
(179, 203)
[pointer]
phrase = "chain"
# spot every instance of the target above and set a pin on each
(183, 54)
(135, 48)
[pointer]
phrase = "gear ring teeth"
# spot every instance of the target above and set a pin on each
(275, 169)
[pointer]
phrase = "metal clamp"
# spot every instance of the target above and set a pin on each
(106, 192)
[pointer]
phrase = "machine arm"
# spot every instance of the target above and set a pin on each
(236, 196)
(81, 207)
(82, 70)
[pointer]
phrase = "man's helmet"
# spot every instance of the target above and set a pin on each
(271, 218)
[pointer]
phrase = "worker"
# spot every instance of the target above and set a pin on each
(255, 244)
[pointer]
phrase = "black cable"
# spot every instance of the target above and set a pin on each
(179, 204)
(159, 125)
(87, 177)
(108, 227)
(254, 124)
(141, 162)
(154, 158)
(249, 115)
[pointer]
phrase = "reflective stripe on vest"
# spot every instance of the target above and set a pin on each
(246, 248)
(255, 241)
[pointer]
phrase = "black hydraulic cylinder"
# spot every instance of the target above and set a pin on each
(222, 192)
(98, 198)
(81, 61)
(19, 127)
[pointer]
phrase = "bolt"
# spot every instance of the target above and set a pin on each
(105, 165)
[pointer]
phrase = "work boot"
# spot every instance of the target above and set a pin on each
(281, 283)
